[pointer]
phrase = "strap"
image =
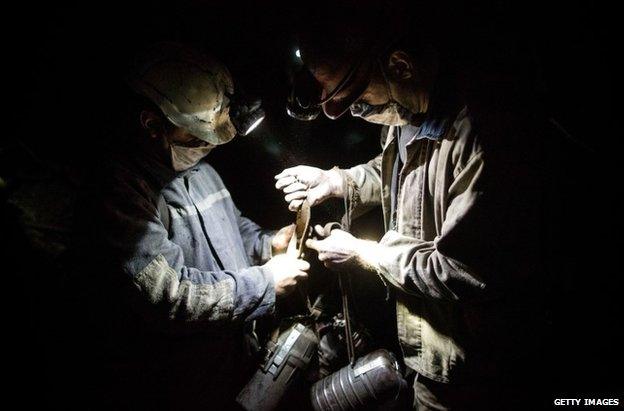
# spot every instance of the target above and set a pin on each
(351, 199)
(342, 278)
(163, 210)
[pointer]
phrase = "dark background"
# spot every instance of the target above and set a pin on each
(66, 63)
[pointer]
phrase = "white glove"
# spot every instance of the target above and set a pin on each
(341, 251)
(287, 271)
(301, 182)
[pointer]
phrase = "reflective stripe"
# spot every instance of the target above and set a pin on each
(185, 300)
(377, 362)
(158, 281)
(205, 204)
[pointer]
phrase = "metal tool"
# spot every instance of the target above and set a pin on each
(302, 226)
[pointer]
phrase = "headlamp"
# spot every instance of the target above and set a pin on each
(303, 100)
(307, 97)
(245, 113)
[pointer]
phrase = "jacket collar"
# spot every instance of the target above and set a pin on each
(433, 128)
(160, 173)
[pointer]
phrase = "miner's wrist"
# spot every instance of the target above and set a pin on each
(336, 184)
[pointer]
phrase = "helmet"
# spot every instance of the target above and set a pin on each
(341, 44)
(194, 91)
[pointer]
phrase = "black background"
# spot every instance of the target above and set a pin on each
(66, 63)
(71, 59)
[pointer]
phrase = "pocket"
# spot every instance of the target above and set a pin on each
(443, 351)
(410, 203)
(409, 328)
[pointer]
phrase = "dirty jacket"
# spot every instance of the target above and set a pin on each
(203, 267)
(453, 250)
(170, 303)
(202, 273)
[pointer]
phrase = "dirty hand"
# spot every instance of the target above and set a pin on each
(341, 251)
(287, 271)
(281, 239)
(315, 184)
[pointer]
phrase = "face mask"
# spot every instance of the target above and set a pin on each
(183, 158)
(389, 114)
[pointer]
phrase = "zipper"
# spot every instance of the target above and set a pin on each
(203, 226)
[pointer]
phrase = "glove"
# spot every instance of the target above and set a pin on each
(341, 251)
(287, 270)
(315, 184)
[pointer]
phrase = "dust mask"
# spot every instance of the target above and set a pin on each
(389, 114)
(183, 158)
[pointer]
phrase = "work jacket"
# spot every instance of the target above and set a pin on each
(459, 244)
(203, 267)
(176, 278)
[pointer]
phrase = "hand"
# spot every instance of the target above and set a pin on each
(341, 251)
(281, 239)
(287, 271)
(301, 182)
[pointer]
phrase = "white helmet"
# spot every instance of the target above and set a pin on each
(195, 92)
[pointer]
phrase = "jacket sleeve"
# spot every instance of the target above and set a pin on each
(257, 240)
(451, 266)
(367, 181)
(168, 288)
